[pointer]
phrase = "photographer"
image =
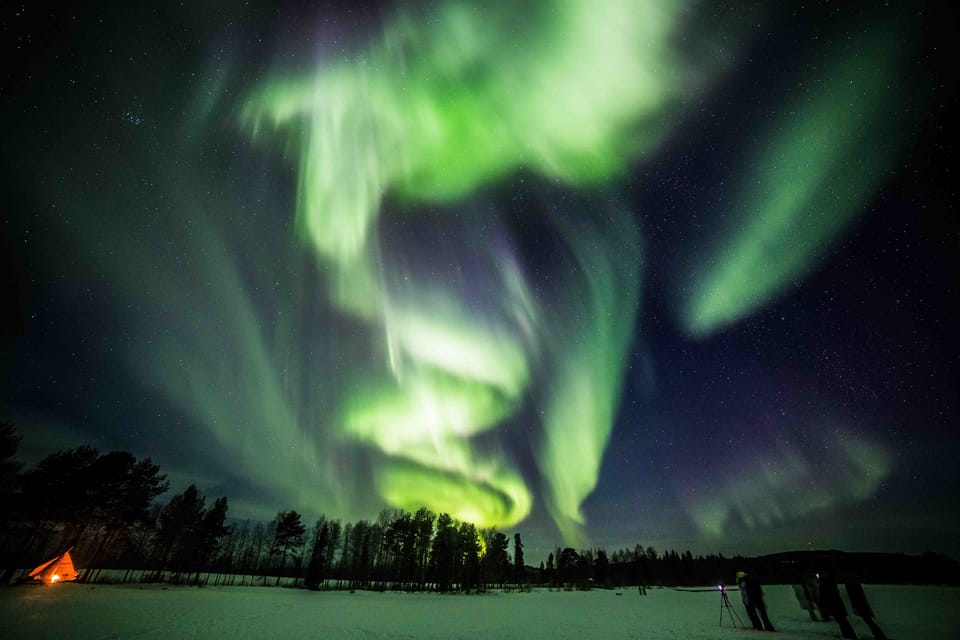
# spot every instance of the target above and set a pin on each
(752, 595)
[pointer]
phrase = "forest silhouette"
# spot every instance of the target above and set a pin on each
(106, 508)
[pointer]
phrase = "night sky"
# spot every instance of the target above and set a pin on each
(599, 272)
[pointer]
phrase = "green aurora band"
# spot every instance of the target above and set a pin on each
(429, 116)
(433, 114)
(848, 469)
(808, 178)
(347, 366)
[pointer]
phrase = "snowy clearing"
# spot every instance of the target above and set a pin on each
(154, 611)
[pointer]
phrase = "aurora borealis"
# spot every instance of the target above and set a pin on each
(811, 173)
(434, 114)
(607, 272)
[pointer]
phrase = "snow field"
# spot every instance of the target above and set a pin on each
(154, 611)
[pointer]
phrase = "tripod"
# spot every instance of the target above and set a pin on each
(725, 604)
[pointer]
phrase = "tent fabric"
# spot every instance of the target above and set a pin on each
(55, 570)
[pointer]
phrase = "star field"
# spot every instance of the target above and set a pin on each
(657, 273)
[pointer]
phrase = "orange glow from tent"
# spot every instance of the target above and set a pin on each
(58, 569)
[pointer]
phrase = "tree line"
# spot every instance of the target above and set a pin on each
(105, 507)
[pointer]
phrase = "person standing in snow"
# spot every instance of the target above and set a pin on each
(803, 599)
(832, 605)
(752, 595)
(811, 585)
(860, 606)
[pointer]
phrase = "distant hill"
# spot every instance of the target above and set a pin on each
(887, 568)
(672, 569)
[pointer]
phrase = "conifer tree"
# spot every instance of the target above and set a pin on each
(495, 559)
(423, 521)
(288, 535)
(443, 560)
(316, 566)
(469, 552)
(177, 531)
(519, 566)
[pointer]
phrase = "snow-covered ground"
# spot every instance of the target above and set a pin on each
(126, 611)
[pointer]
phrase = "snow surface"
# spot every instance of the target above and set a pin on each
(70, 611)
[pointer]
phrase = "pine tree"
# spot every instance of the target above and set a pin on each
(423, 521)
(495, 560)
(336, 531)
(346, 552)
(567, 563)
(316, 567)
(469, 552)
(288, 535)
(212, 530)
(520, 568)
(399, 542)
(361, 544)
(177, 531)
(58, 494)
(601, 567)
(121, 491)
(443, 560)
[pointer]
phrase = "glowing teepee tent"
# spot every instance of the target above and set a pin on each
(58, 569)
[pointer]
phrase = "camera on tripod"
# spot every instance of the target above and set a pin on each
(725, 604)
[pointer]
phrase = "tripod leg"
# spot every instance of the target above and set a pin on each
(735, 620)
